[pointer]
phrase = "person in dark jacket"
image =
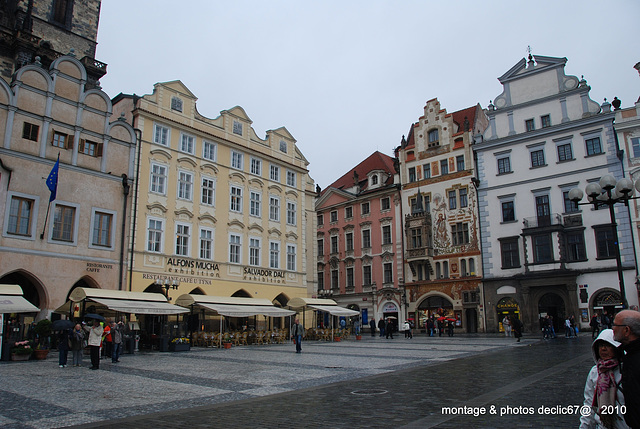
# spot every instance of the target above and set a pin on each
(63, 348)
(381, 326)
(77, 344)
(626, 330)
(516, 325)
(372, 323)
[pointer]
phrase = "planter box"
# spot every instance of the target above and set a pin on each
(179, 347)
(358, 337)
(40, 354)
(226, 345)
(17, 357)
(337, 339)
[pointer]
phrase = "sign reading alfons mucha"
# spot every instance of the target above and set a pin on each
(192, 267)
(263, 275)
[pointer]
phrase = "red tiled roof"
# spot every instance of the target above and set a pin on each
(376, 161)
(469, 113)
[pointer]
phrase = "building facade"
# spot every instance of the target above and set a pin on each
(441, 229)
(542, 253)
(79, 239)
(359, 241)
(219, 211)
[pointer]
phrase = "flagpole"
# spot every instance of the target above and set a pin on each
(52, 184)
(45, 221)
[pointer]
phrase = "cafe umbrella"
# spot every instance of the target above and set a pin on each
(62, 324)
(94, 316)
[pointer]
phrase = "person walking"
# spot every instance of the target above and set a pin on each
(297, 331)
(595, 326)
(63, 347)
(506, 324)
(407, 330)
(95, 341)
(450, 328)
(568, 331)
(77, 345)
(601, 389)
(626, 330)
(372, 324)
(381, 326)
(430, 326)
(388, 328)
(517, 328)
(116, 340)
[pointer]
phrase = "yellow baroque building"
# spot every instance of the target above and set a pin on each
(218, 210)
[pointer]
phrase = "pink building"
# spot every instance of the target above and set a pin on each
(359, 240)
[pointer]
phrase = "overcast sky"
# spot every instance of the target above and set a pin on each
(347, 78)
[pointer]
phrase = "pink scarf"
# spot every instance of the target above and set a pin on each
(605, 393)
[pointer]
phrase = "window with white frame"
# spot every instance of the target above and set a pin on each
(333, 216)
(366, 208)
(386, 234)
(320, 242)
(635, 147)
(504, 165)
(236, 160)
(594, 147)
(348, 241)
(187, 143)
(335, 279)
(274, 173)
(237, 128)
(291, 257)
(412, 174)
(462, 195)
(21, 216)
(206, 243)
(291, 213)
(444, 166)
(161, 134)
(385, 203)
(350, 279)
(348, 212)
(209, 150)
(235, 204)
(387, 268)
(334, 244)
(255, 205)
(64, 222)
(274, 208)
(208, 191)
(460, 163)
(185, 185)
(254, 251)
(102, 228)
(453, 200)
(235, 245)
(155, 229)
(158, 179)
(274, 254)
(426, 171)
(61, 140)
(537, 158)
(291, 178)
(256, 166)
(565, 152)
(366, 275)
(366, 238)
(183, 234)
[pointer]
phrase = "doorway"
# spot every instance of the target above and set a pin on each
(552, 305)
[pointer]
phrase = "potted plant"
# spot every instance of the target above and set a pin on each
(180, 344)
(226, 341)
(43, 331)
(21, 350)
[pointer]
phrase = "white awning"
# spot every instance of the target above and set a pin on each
(246, 310)
(140, 307)
(335, 310)
(11, 300)
(303, 302)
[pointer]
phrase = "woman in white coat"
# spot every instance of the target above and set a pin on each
(602, 390)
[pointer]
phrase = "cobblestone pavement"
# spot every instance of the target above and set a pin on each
(357, 384)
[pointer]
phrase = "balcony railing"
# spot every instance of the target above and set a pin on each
(554, 219)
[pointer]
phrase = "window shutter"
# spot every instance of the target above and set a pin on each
(81, 146)
(99, 149)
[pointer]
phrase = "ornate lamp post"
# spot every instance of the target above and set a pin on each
(166, 285)
(609, 192)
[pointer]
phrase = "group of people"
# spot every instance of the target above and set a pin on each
(599, 321)
(99, 336)
(512, 327)
(612, 390)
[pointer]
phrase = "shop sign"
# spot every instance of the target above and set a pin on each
(180, 279)
(263, 275)
(390, 308)
(94, 267)
(193, 267)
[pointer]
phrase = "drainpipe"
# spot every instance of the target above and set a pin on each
(125, 192)
(135, 201)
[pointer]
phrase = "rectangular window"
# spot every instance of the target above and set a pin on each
(321, 247)
(565, 153)
(236, 160)
(291, 213)
(508, 211)
(350, 279)
(545, 121)
(386, 234)
(593, 146)
(237, 128)
(366, 238)
(255, 204)
(274, 255)
(63, 223)
(30, 131)
(348, 240)
(254, 252)
(90, 148)
(460, 163)
(460, 233)
(102, 229)
(569, 206)
(385, 203)
(283, 146)
(185, 185)
(60, 140)
(334, 244)
(158, 179)
(412, 174)
(274, 173)
(274, 209)
(509, 252)
(234, 248)
(388, 272)
(444, 166)
(433, 136)
(236, 199)
(365, 208)
(183, 233)
(320, 280)
(635, 147)
(291, 257)
(504, 165)
(416, 238)
(542, 251)
(291, 178)
(537, 158)
(154, 236)
(543, 210)
(209, 150)
(348, 212)
(256, 166)
(605, 242)
(334, 216)
(20, 216)
(463, 198)
(453, 200)
(334, 279)
(208, 192)
(206, 244)
(576, 250)
(320, 220)
(366, 275)
(176, 104)
(426, 171)
(529, 125)
(187, 143)
(161, 135)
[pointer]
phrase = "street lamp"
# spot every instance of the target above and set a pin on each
(609, 192)
(166, 285)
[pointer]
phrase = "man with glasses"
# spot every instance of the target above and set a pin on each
(626, 330)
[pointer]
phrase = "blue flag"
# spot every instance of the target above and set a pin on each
(52, 180)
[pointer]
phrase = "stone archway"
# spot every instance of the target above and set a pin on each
(434, 305)
(32, 289)
(553, 305)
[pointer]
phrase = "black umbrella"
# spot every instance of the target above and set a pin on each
(62, 324)
(94, 316)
